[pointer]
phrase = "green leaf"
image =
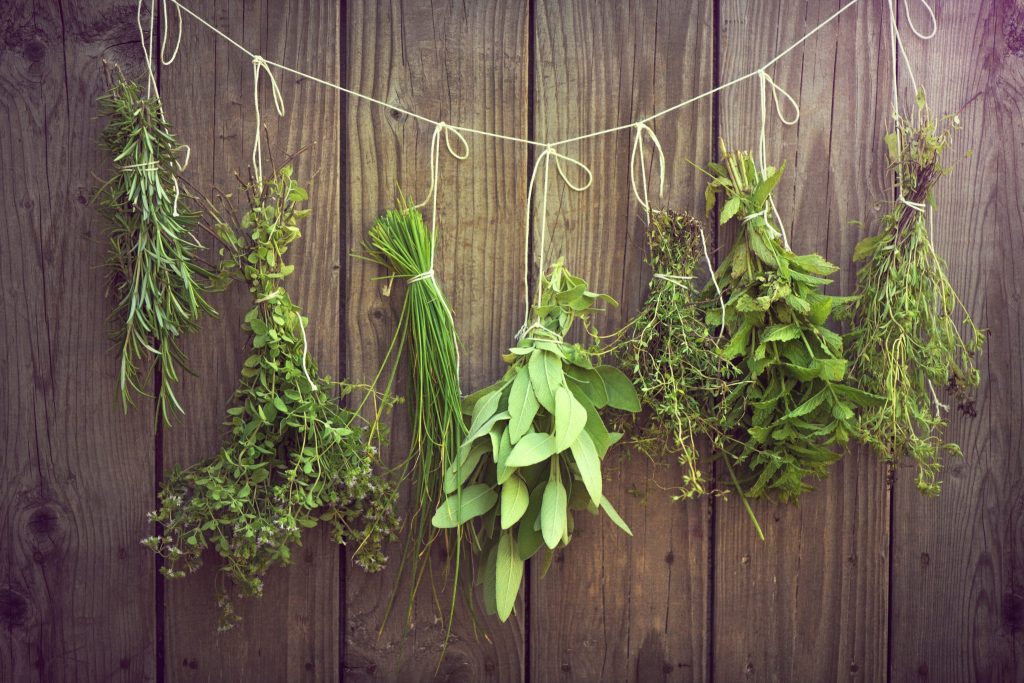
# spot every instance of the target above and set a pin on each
(533, 448)
(508, 575)
(729, 210)
(590, 382)
(458, 472)
(614, 516)
(514, 500)
(621, 393)
(866, 248)
(588, 462)
(463, 506)
(554, 510)
(570, 419)
(765, 187)
(528, 535)
(522, 406)
(483, 411)
(779, 333)
(545, 376)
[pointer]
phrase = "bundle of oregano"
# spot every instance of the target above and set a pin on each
(535, 444)
(678, 371)
(293, 457)
(792, 405)
(154, 277)
(905, 341)
(400, 242)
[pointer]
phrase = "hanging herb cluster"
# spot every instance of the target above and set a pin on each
(793, 404)
(535, 444)
(293, 458)
(673, 356)
(905, 341)
(154, 275)
(400, 242)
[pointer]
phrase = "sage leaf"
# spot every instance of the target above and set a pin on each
(515, 498)
(570, 419)
(533, 448)
(463, 506)
(508, 575)
(522, 406)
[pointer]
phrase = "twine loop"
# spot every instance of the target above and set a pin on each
(260, 64)
(778, 95)
(543, 161)
(643, 130)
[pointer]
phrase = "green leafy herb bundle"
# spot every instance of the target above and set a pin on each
(792, 405)
(905, 340)
(293, 457)
(678, 371)
(400, 242)
(154, 277)
(535, 444)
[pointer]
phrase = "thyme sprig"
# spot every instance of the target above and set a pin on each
(155, 278)
(293, 457)
(906, 343)
(673, 356)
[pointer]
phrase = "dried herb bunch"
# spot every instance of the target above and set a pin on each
(400, 242)
(674, 357)
(535, 444)
(154, 276)
(293, 457)
(792, 406)
(906, 343)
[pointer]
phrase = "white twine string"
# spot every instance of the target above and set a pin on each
(931, 18)
(305, 350)
(714, 279)
(260, 64)
(166, 61)
(642, 129)
(512, 138)
(764, 80)
(146, 40)
(544, 161)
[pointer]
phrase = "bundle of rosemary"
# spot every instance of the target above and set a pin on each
(792, 405)
(535, 444)
(400, 242)
(678, 371)
(905, 342)
(293, 457)
(154, 277)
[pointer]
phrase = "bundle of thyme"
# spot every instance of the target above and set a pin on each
(154, 277)
(293, 457)
(673, 356)
(535, 444)
(793, 405)
(905, 341)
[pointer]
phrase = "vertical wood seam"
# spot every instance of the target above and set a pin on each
(343, 291)
(159, 634)
(531, 22)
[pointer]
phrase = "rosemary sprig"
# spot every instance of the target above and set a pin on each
(293, 456)
(154, 277)
(905, 341)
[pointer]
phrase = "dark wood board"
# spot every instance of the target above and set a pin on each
(292, 631)
(614, 607)
(466, 64)
(958, 595)
(76, 588)
(809, 603)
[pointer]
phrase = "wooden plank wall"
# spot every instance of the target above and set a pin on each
(864, 581)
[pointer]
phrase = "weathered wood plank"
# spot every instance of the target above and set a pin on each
(292, 632)
(614, 608)
(810, 602)
(76, 588)
(958, 597)
(465, 63)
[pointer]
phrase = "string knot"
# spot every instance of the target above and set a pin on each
(425, 275)
(260, 64)
(916, 206)
(441, 129)
(642, 130)
(778, 95)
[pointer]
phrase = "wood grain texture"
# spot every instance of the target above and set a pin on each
(958, 594)
(292, 631)
(76, 588)
(809, 603)
(614, 608)
(467, 64)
